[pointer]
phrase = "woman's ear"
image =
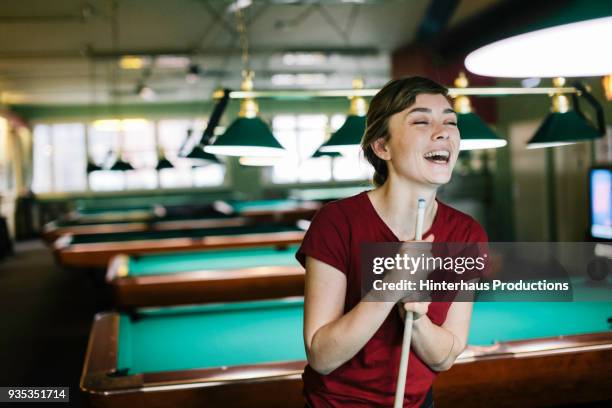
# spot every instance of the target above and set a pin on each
(379, 146)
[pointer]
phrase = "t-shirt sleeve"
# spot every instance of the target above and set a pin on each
(327, 239)
(478, 236)
(477, 233)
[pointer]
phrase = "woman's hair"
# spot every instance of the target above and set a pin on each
(394, 97)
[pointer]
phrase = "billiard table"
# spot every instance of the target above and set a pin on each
(96, 250)
(218, 214)
(53, 230)
(327, 194)
(104, 214)
(271, 210)
(250, 354)
(205, 276)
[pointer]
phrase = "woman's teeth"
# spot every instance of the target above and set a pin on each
(438, 156)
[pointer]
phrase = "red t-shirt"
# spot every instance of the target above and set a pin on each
(369, 378)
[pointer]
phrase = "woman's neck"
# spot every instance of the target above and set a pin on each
(397, 204)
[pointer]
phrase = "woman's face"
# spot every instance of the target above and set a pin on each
(424, 141)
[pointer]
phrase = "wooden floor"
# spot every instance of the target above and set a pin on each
(45, 317)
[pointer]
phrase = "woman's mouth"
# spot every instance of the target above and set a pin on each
(438, 156)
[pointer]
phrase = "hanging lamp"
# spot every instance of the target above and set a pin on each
(568, 42)
(221, 98)
(563, 126)
(347, 139)
(92, 166)
(475, 134)
(120, 164)
(248, 135)
(162, 161)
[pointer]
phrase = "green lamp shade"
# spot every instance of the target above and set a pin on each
(561, 129)
(319, 153)
(475, 134)
(91, 167)
(198, 154)
(163, 163)
(348, 137)
(121, 165)
(247, 137)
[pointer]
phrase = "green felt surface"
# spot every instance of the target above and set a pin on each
(327, 194)
(211, 336)
(506, 321)
(262, 205)
(271, 331)
(187, 233)
(211, 260)
(527, 319)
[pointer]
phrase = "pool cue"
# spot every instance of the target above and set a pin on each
(403, 367)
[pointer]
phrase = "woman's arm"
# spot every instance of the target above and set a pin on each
(325, 326)
(439, 346)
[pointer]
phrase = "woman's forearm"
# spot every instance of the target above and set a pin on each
(331, 346)
(435, 345)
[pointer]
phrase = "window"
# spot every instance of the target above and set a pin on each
(102, 143)
(42, 180)
(139, 148)
(61, 152)
(301, 136)
(59, 158)
(172, 135)
(69, 159)
(6, 176)
(173, 139)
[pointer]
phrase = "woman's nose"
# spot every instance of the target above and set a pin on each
(440, 133)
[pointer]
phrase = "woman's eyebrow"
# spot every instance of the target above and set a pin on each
(427, 110)
(424, 110)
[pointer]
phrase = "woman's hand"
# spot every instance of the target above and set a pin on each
(399, 275)
(417, 308)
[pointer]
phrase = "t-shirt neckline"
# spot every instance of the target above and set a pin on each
(388, 229)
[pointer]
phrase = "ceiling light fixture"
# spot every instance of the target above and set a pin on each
(193, 74)
(347, 139)
(568, 44)
(564, 126)
(131, 62)
(248, 135)
(146, 92)
(606, 83)
(221, 96)
(239, 5)
(475, 134)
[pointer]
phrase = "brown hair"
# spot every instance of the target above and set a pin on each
(394, 97)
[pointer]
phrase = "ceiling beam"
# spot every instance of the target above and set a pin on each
(210, 52)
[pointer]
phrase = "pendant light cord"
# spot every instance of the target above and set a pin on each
(244, 41)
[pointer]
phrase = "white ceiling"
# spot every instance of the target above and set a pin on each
(61, 51)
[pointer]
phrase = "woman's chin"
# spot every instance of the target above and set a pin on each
(439, 179)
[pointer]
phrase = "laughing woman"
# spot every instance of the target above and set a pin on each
(354, 346)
